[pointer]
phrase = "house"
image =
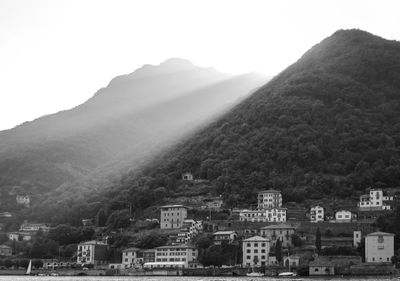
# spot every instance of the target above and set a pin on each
(331, 265)
(256, 251)
(5, 251)
(131, 258)
(172, 216)
(221, 237)
(13, 236)
(317, 214)
(269, 199)
(183, 254)
(343, 216)
(265, 215)
(375, 201)
(92, 252)
(87, 222)
(23, 200)
(379, 247)
(277, 232)
(356, 238)
(187, 176)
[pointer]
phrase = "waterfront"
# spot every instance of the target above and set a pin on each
(180, 278)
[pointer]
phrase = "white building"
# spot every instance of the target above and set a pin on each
(23, 200)
(172, 216)
(92, 252)
(317, 214)
(375, 200)
(266, 215)
(176, 253)
(269, 199)
(379, 247)
(130, 258)
(343, 216)
(187, 176)
(256, 251)
(357, 238)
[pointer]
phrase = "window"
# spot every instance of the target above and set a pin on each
(255, 244)
(248, 251)
(263, 251)
(248, 245)
(248, 257)
(380, 239)
(255, 251)
(263, 245)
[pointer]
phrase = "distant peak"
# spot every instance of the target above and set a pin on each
(178, 63)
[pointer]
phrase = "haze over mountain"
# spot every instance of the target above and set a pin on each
(327, 126)
(122, 125)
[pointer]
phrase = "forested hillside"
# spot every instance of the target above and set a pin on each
(327, 126)
(57, 159)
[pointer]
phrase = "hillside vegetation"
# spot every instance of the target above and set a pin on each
(327, 126)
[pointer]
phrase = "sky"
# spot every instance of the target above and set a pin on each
(56, 54)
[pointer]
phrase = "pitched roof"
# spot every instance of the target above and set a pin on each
(224, 232)
(269, 191)
(93, 242)
(4, 247)
(132, 249)
(278, 226)
(173, 206)
(379, 233)
(256, 238)
(176, 246)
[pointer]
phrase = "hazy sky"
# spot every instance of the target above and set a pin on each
(56, 54)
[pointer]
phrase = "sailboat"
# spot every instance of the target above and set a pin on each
(29, 269)
(287, 273)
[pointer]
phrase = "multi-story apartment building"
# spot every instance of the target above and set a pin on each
(379, 247)
(256, 251)
(266, 215)
(178, 254)
(92, 252)
(172, 216)
(131, 257)
(269, 199)
(317, 214)
(375, 200)
(277, 232)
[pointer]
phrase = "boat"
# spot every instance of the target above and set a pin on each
(29, 269)
(287, 274)
(255, 274)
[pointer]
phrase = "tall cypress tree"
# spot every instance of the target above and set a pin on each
(278, 250)
(318, 240)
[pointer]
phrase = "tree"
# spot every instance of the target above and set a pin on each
(278, 251)
(318, 240)
(204, 242)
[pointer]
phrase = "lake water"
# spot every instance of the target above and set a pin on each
(179, 278)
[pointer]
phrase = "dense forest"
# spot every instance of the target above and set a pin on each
(327, 126)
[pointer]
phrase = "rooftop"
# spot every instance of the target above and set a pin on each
(278, 226)
(269, 191)
(93, 242)
(173, 206)
(4, 247)
(256, 238)
(380, 234)
(133, 249)
(224, 232)
(176, 246)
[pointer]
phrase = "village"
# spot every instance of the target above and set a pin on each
(266, 240)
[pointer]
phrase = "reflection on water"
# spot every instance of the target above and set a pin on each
(172, 278)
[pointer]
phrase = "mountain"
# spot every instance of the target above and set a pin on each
(327, 126)
(122, 125)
